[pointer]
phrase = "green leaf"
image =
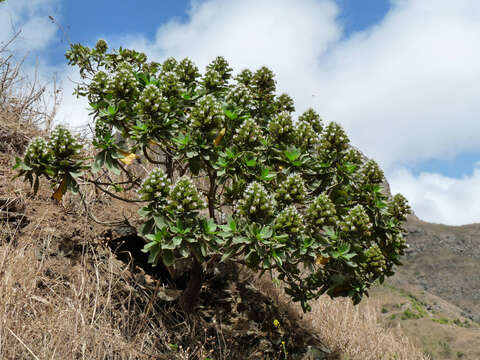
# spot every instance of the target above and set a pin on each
(112, 110)
(159, 221)
(232, 224)
(153, 257)
(148, 246)
(112, 165)
(177, 240)
(267, 175)
(168, 257)
(230, 114)
(20, 164)
(344, 248)
(292, 153)
(277, 258)
(265, 233)
(209, 226)
(195, 165)
(349, 256)
(147, 227)
(75, 174)
(240, 240)
(144, 211)
(230, 152)
(227, 255)
(251, 162)
(184, 251)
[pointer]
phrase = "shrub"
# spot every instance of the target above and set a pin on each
(235, 176)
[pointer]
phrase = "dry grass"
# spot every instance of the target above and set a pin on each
(353, 331)
(64, 296)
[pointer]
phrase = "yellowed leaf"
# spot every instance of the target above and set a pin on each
(219, 137)
(128, 158)
(153, 142)
(62, 189)
(322, 260)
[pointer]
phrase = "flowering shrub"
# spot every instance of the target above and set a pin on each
(235, 174)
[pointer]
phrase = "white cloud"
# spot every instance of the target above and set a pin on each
(407, 89)
(31, 18)
(438, 198)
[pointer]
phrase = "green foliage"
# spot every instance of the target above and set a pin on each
(59, 160)
(236, 176)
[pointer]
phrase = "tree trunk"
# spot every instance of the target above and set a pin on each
(189, 298)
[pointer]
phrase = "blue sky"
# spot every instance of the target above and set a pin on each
(85, 21)
(402, 76)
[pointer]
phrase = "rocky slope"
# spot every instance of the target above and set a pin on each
(445, 261)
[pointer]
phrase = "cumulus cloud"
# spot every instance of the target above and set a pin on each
(31, 19)
(438, 198)
(407, 89)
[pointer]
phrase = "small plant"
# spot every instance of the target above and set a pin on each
(409, 314)
(277, 325)
(441, 321)
(235, 176)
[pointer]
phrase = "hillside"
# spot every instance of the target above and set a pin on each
(435, 297)
(445, 260)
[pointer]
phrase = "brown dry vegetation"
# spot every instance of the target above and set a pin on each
(69, 290)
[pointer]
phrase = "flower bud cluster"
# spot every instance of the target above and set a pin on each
(240, 97)
(184, 198)
(312, 118)
(62, 144)
(284, 103)
(169, 84)
(155, 187)
(372, 173)
(357, 221)
(245, 77)
(375, 259)
(37, 152)
(217, 74)
(354, 156)
(281, 126)
(101, 46)
(187, 72)
(207, 114)
(169, 65)
(305, 136)
(256, 204)
(151, 101)
(292, 190)
(102, 129)
(399, 207)
(264, 81)
(321, 212)
(133, 57)
(124, 83)
(99, 84)
(334, 139)
(289, 221)
(249, 133)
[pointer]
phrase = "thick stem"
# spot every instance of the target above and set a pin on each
(212, 193)
(189, 298)
(169, 166)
